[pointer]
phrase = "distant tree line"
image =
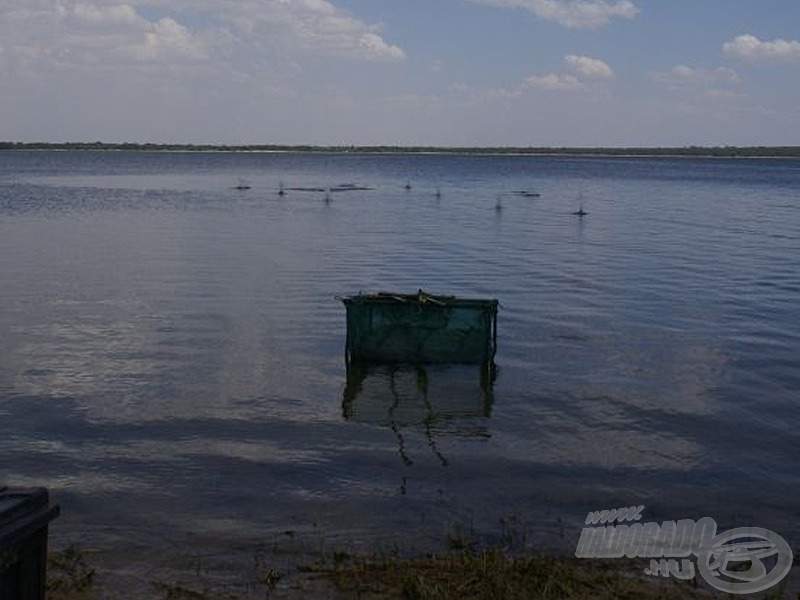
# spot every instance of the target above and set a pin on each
(699, 151)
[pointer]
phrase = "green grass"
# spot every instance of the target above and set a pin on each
(69, 577)
(463, 572)
(491, 574)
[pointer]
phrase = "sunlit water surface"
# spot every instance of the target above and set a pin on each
(171, 348)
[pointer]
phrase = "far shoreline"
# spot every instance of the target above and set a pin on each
(791, 152)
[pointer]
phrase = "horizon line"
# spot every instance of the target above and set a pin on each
(687, 150)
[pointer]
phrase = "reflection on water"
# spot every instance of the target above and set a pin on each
(171, 348)
(438, 400)
(433, 396)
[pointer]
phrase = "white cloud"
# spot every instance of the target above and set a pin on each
(722, 94)
(88, 14)
(437, 65)
(554, 82)
(308, 26)
(166, 38)
(681, 75)
(376, 47)
(577, 14)
(749, 47)
(63, 34)
(703, 89)
(584, 68)
(589, 67)
(550, 82)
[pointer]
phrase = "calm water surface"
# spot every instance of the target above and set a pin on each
(171, 349)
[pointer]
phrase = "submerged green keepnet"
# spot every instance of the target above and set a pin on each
(420, 328)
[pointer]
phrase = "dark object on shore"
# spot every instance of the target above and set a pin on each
(242, 186)
(281, 190)
(525, 193)
(408, 185)
(24, 518)
(420, 329)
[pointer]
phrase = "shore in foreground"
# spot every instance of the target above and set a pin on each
(493, 573)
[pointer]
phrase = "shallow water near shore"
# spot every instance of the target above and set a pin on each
(172, 348)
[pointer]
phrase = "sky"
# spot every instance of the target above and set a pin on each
(402, 72)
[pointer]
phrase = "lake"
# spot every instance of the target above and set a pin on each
(172, 348)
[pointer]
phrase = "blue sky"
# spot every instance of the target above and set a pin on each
(407, 72)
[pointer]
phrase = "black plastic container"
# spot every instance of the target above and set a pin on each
(24, 518)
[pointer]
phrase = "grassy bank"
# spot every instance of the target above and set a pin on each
(490, 573)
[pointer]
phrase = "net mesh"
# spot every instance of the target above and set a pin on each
(420, 328)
